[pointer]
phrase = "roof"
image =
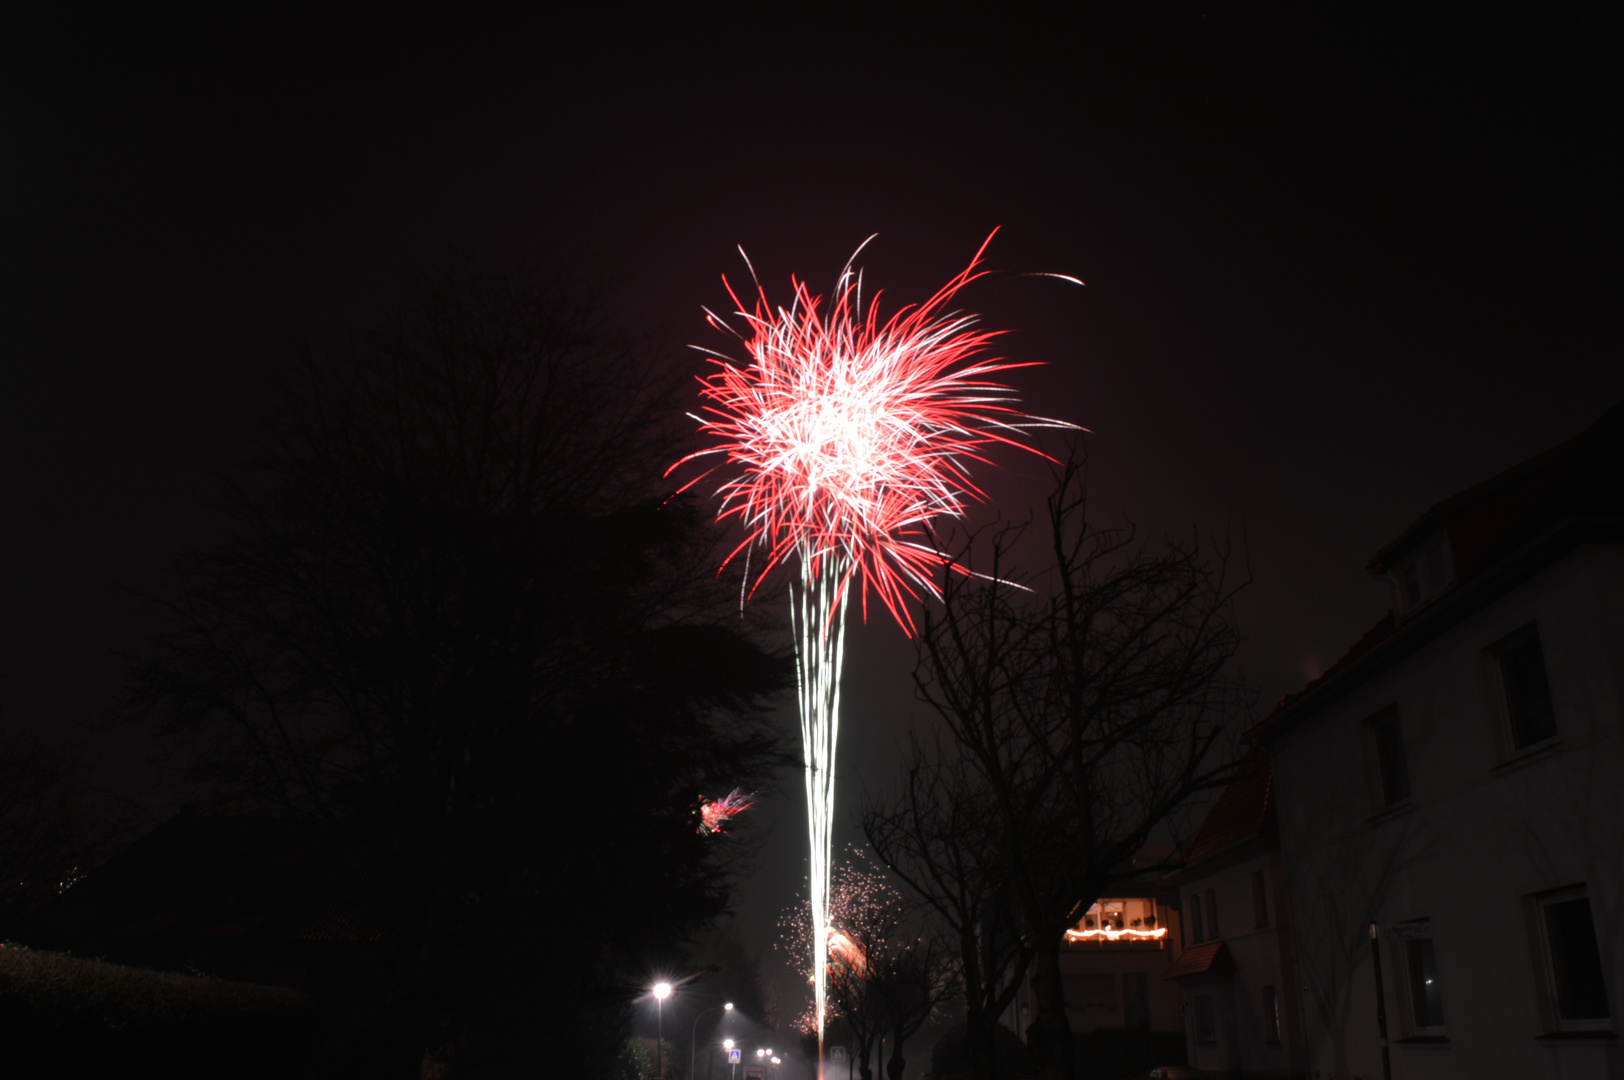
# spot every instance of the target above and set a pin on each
(1500, 532)
(222, 877)
(1245, 809)
(1213, 958)
(1486, 521)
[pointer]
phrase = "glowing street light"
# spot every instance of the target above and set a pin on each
(693, 1034)
(662, 990)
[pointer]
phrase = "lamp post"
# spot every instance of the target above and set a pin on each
(732, 1069)
(662, 990)
(693, 1035)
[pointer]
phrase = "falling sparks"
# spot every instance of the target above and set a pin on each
(847, 952)
(842, 439)
(714, 814)
(848, 436)
(865, 914)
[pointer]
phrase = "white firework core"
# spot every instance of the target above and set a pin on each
(818, 611)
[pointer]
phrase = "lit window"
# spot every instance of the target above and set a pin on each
(1528, 692)
(1260, 899)
(1390, 764)
(1130, 919)
(1577, 987)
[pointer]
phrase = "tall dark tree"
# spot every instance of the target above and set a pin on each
(456, 608)
(912, 978)
(1084, 711)
(932, 832)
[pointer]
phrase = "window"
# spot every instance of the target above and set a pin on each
(1578, 991)
(1421, 977)
(1193, 906)
(1390, 765)
(1096, 990)
(1212, 916)
(1129, 919)
(1271, 1016)
(1206, 1020)
(1260, 899)
(1528, 693)
(1136, 1000)
(1424, 577)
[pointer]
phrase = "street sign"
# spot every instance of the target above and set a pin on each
(733, 1057)
(837, 1054)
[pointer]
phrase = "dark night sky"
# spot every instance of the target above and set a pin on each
(1337, 270)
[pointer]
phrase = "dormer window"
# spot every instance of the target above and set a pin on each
(1423, 576)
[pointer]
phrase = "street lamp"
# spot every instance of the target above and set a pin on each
(662, 990)
(693, 1036)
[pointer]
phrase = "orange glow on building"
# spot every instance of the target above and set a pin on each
(1129, 919)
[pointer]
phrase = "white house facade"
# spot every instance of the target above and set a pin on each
(1240, 1007)
(1451, 793)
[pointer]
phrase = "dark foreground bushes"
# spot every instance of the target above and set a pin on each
(65, 1016)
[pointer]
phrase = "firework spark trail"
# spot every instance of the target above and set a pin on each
(848, 437)
(818, 611)
(847, 951)
(716, 813)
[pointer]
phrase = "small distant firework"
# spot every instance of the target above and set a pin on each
(714, 814)
(865, 911)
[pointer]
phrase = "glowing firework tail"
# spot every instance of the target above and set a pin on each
(848, 952)
(845, 437)
(714, 814)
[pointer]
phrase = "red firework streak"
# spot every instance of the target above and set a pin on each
(715, 813)
(849, 435)
(844, 436)
(848, 952)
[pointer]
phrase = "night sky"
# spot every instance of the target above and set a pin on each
(1336, 271)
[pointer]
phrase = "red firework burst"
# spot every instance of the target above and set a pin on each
(849, 435)
(716, 813)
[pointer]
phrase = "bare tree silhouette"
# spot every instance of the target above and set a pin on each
(1085, 705)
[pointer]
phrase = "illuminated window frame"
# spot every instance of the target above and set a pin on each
(1109, 920)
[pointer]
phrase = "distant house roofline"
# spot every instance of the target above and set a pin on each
(1503, 532)
(1243, 811)
(1442, 514)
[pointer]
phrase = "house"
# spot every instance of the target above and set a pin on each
(1125, 1016)
(1236, 972)
(1449, 804)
